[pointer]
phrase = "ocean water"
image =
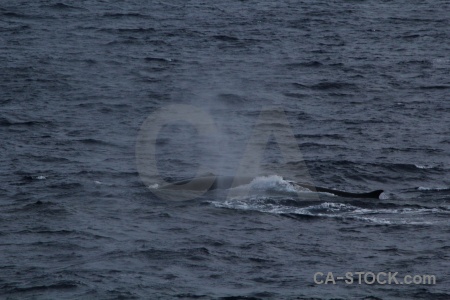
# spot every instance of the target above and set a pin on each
(362, 94)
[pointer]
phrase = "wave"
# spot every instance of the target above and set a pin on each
(226, 38)
(61, 6)
(10, 122)
(297, 65)
(423, 188)
(325, 86)
(127, 30)
(158, 59)
(435, 87)
(64, 284)
(124, 15)
(424, 166)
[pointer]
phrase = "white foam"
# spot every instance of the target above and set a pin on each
(386, 216)
(274, 183)
(153, 186)
(383, 221)
(423, 188)
(424, 166)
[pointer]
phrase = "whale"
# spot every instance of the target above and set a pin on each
(208, 183)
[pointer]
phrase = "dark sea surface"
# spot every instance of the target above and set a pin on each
(363, 85)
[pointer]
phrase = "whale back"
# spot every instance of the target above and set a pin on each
(207, 183)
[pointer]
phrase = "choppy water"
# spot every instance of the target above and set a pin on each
(363, 84)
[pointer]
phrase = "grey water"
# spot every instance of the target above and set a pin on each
(363, 85)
